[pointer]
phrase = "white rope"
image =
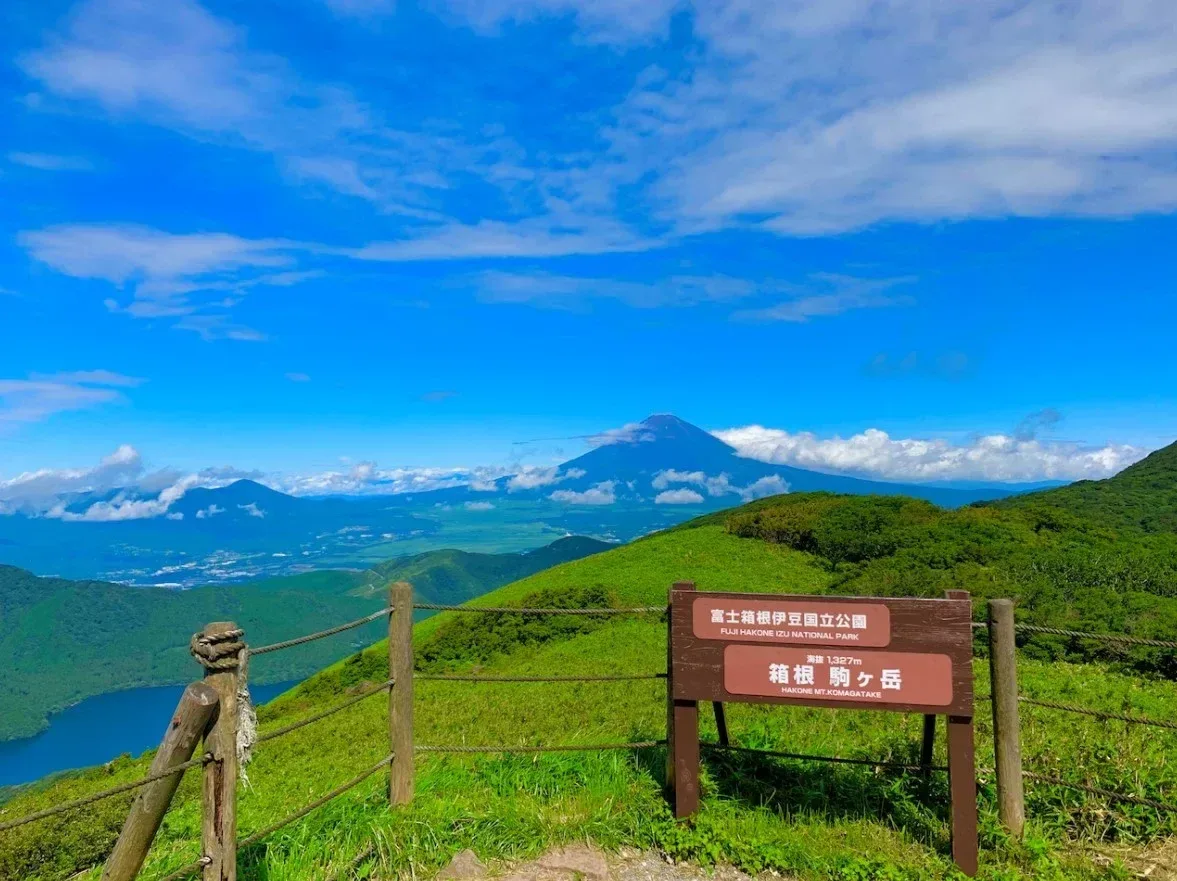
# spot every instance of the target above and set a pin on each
(246, 719)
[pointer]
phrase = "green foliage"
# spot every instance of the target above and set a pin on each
(1064, 571)
(1141, 498)
(480, 638)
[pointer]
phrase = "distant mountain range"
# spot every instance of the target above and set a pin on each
(658, 473)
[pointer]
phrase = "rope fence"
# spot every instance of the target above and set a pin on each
(311, 637)
(474, 677)
(562, 748)
(1095, 790)
(190, 869)
(224, 653)
(317, 803)
(105, 793)
(510, 610)
(1099, 714)
(318, 717)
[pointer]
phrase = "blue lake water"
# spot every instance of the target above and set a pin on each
(99, 729)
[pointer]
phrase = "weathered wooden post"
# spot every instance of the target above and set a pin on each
(197, 705)
(400, 695)
(682, 735)
(218, 649)
(1003, 674)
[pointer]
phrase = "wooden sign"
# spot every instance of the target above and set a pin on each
(898, 654)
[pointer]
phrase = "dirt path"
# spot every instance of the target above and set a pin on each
(584, 863)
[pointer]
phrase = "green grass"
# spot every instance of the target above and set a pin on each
(810, 820)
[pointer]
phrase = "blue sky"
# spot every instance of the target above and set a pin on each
(293, 237)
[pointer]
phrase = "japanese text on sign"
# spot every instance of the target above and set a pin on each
(868, 677)
(815, 622)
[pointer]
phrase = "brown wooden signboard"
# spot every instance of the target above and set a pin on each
(869, 653)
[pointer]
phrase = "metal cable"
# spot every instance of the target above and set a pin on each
(106, 793)
(317, 803)
(641, 744)
(359, 622)
(502, 610)
(458, 677)
(294, 726)
(1095, 790)
(1099, 714)
(832, 759)
(187, 870)
(1105, 637)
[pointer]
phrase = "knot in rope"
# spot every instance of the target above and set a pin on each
(217, 652)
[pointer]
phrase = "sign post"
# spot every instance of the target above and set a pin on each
(898, 654)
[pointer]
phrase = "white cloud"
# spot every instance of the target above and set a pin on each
(194, 278)
(630, 433)
(567, 292)
(125, 506)
(479, 506)
(536, 476)
(252, 510)
(366, 478)
(598, 494)
(793, 118)
(812, 119)
(43, 395)
(842, 293)
(38, 490)
(50, 161)
(298, 377)
(210, 511)
(771, 485)
(721, 484)
(678, 497)
(874, 453)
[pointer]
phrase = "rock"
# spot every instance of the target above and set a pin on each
(578, 860)
(464, 865)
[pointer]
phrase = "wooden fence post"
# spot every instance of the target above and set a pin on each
(186, 728)
(400, 695)
(219, 797)
(1003, 676)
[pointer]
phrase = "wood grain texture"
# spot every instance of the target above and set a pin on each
(194, 712)
(400, 696)
(219, 790)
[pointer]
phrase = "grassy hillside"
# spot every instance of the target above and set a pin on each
(1142, 497)
(813, 821)
(453, 576)
(62, 641)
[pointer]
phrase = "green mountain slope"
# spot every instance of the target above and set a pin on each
(453, 576)
(62, 641)
(1141, 497)
(800, 819)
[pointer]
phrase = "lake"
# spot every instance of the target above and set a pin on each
(84, 735)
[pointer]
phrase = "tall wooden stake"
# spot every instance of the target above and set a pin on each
(682, 728)
(1003, 673)
(219, 823)
(186, 728)
(400, 696)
